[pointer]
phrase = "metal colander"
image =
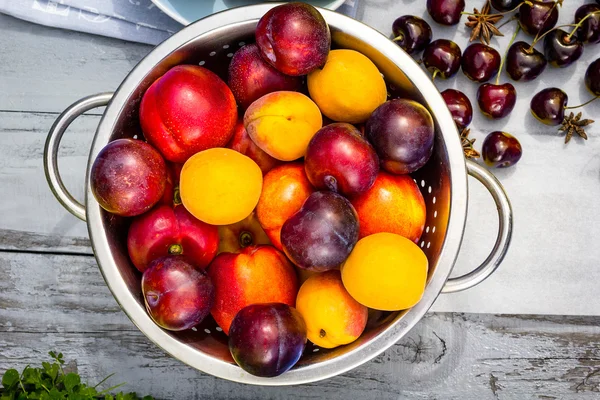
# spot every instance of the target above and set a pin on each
(211, 42)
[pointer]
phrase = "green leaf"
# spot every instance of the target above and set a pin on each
(10, 378)
(148, 398)
(120, 396)
(71, 380)
(6, 396)
(109, 397)
(22, 396)
(31, 376)
(55, 394)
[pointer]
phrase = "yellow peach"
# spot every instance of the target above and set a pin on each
(282, 123)
(386, 272)
(348, 88)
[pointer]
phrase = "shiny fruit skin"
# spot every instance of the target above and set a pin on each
(333, 318)
(187, 110)
(548, 106)
(538, 17)
(394, 204)
(294, 38)
(257, 274)
(592, 77)
(505, 5)
(411, 33)
(177, 295)
(523, 64)
(220, 186)
(496, 101)
(242, 143)
(501, 149)
(282, 124)
(460, 107)
(285, 189)
(348, 88)
(267, 339)
(251, 77)
(341, 160)
(167, 230)
(480, 62)
(445, 12)
(589, 31)
(402, 134)
(561, 51)
(320, 236)
(442, 57)
(236, 237)
(386, 272)
(128, 177)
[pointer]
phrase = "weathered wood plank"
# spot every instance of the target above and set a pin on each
(51, 68)
(61, 302)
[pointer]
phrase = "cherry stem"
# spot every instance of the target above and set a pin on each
(512, 40)
(434, 74)
(508, 22)
(537, 39)
(399, 37)
(502, 13)
(584, 104)
(577, 25)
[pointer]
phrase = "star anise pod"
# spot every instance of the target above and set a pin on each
(574, 124)
(467, 144)
(483, 24)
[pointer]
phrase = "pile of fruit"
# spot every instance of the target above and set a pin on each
(288, 221)
(480, 62)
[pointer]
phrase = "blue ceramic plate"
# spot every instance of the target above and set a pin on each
(188, 11)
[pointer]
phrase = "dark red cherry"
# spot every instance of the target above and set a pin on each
(524, 62)
(538, 16)
(496, 101)
(442, 57)
(592, 77)
(505, 5)
(411, 33)
(460, 107)
(446, 12)
(501, 150)
(480, 62)
(561, 51)
(548, 106)
(589, 31)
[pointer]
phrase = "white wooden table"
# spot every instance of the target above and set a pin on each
(52, 296)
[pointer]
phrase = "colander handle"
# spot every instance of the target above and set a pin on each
(505, 215)
(53, 142)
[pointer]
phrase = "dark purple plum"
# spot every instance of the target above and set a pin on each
(267, 339)
(496, 101)
(340, 159)
(480, 62)
(251, 77)
(537, 17)
(592, 77)
(294, 38)
(445, 12)
(321, 235)
(402, 133)
(411, 33)
(460, 107)
(548, 106)
(501, 150)
(442, 58)
(128, 177)
(505, 5)
(178, 296)
(524, 62)
(589, 31)
(560, 50)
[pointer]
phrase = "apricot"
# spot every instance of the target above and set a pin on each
(348, 88)
(332, 316)
(282, 123)
(220, 186)
(285, 188)
(386, 272)
(393, 204)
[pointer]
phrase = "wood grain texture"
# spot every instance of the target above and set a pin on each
(55, 302)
